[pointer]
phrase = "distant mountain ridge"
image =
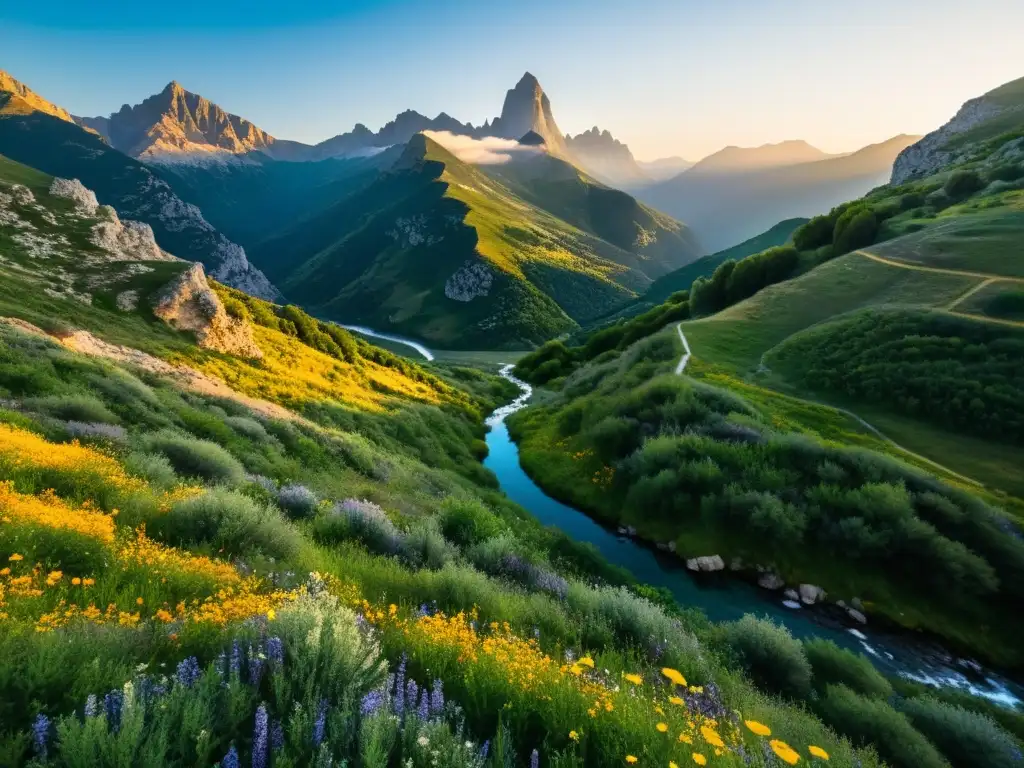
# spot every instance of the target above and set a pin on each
(606, 157)
(738, 193)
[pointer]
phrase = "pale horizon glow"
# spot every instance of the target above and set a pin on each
(667, 77)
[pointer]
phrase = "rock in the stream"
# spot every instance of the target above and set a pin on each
(811, 594)
(856, 615)
(189, 304)
(791, 595)
(706, 563)
(770, 580)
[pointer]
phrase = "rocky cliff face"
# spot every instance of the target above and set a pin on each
(31, 98)
(527, 108)
(189, 304)
(605, 157)
(938, 150)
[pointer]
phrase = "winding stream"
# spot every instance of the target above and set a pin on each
(721, 597)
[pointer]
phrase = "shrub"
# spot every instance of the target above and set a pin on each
(962, 184)
(361, 520)
(73, 408)
(834, 665)
(467, 521)
(814, 234)
(424, 546)
(248, 427)
(96, 430)
(869, 721)
(226, 520)
(773, 658)
(856, 228)
(197, 458)
(297, 501)
(155, 468)
(966, 738)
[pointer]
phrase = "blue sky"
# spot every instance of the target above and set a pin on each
(666, 76)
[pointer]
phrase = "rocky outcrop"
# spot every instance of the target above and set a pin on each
(472, 279)
(770, 580)
(706, 563)
(188, 303)
(74, 190)
(933, 153)
(126, 240)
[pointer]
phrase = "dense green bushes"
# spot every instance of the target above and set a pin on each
(869, 721)
(770, 655)
(964, 375)
(734, 281)
(965, 738)
(833, 665)
(197, 458)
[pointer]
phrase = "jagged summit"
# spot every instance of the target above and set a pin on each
(527, 108)
(29, 99)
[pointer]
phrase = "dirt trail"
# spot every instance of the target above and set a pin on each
(937, 270)
(686, 354)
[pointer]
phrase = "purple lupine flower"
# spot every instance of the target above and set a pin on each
(276, 735)
(41, 735)
(320, 724)
(484, 750)
(91, 705)
(534, 759)
(259, 738)
(536, 633)
(550, 582)
(275, 650)
(423, 610)
(236, 659)
(437, 698)
(255, 665)
(231, 759)
(188, 672)
(362, 624)
(221, 665)
(372, 702)
(399, 699)
(411, 692)
(112, 708)
(423, 710)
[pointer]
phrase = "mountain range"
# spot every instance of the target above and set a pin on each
(737, 192)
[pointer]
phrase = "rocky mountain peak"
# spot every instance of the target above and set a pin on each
(30, 98)
(527, 108)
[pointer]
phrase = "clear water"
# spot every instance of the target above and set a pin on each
(723, 598)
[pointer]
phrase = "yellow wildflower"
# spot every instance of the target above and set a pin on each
(662, 727)
(818, 752)
(699, 759)
(271, 614)
(674, 675)
(586, 661)
(711, 736)
(574, 736)
(88, 582)
(685, 738)
(759, 728)
(77, 581)
(15, 558)
(630, 759)
(785, 752)
(677, 701)
(634, 679)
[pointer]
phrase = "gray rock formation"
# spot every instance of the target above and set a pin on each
(472, 279)
(706, 563)
(770, 580)
(188, 303)
(72, 189)
(934, 152)
(126, 240)
(811, 594)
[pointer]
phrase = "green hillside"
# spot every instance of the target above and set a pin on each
(202, 550)
(438, 249)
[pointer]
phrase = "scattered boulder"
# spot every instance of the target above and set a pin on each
(72, 189)
(671, 546)
(706, 563)
(630, 530)
(770, 580)
(791, 595)
(127, 301)
(811, 594)
(22, 195)
(856, 615)
(189, 304)
(736, 564)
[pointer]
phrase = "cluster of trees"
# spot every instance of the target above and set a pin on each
(950, 371)
(734, 281)
(694, 457)
(555, 359)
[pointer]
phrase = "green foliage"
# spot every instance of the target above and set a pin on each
(197, 458)
(73, 408)
(815, 233)
(856, 228)
(226, 521)
(965, 738)
(962, 184)
(947, 370)
(869, 721)
(467, 522)
(154, 468)
(734, 281)
(771, 656)
(833, 665)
